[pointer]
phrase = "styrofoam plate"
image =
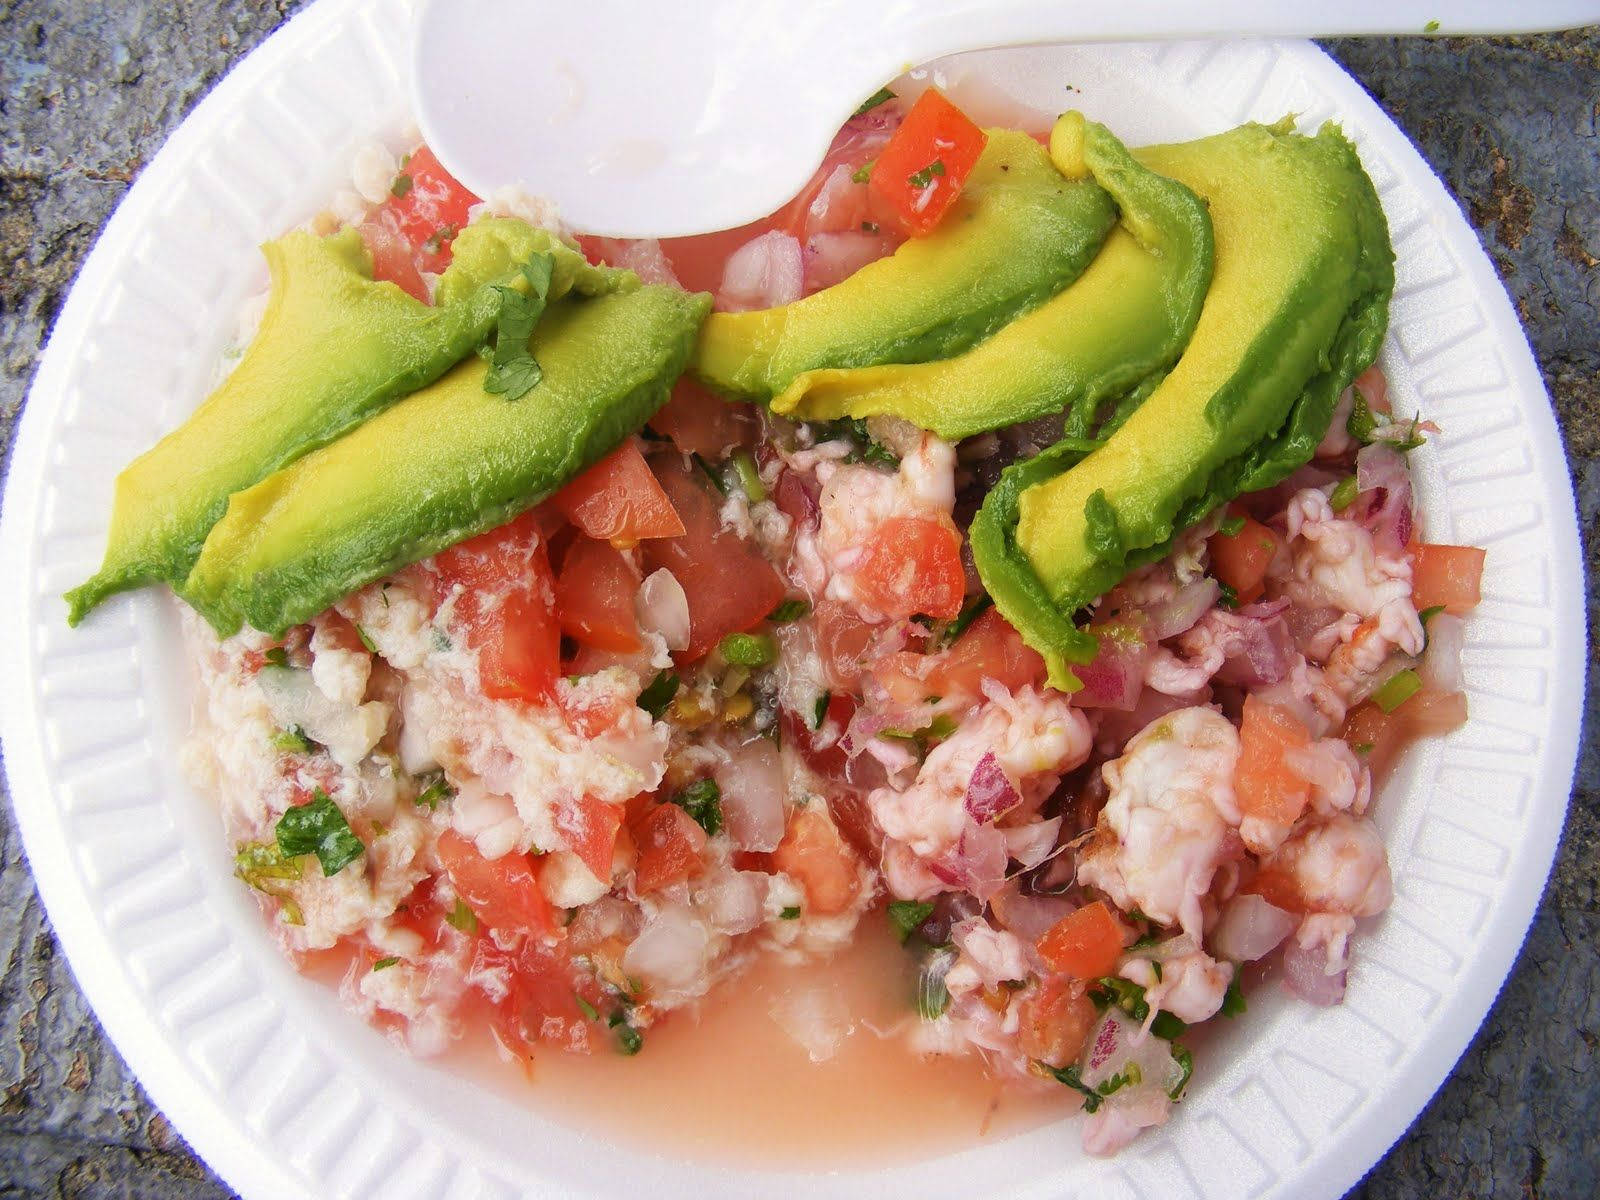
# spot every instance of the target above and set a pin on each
(285, 1095)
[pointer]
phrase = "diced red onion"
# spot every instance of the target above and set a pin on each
(663, 607)
(1179, 613)
(1381, 466)
(977, 863)
(1305, 973)
(832, 257)
(798, 496)
(670, 951)
(1265, 609)
(1119, 1040)
(1266, 653)
(763, 273)
(1250, 928)
(752, 794)
(1441, 661)
(1029, 845)
(990, 791)
(735, 903)
(1115, 677)
(1029, 917)
(643, 256)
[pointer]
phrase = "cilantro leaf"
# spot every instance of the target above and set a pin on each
(513, 371)
(922, 178)
(384, 964)
(820, 713)
(702, 800)
(319, 828)
(655, 698)
(791, 609)
(1070, 1077)
(1233, 999)
(791, 913)
(907, 917)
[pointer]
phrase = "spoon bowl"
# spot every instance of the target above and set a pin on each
(640, 128)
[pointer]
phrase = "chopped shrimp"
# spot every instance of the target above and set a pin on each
(1035, 736)
(1188, 982)
(1361, 663)
(1169, 820)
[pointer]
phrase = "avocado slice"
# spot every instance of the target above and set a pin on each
(1018, 234)
(1129, 314)
(448, 462)
(1297, 308)
(333, 348)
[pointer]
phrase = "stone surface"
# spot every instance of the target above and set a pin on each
(88, 93)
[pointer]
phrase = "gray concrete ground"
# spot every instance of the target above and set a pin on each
(87, 95)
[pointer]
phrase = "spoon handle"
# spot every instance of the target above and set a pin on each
(932, 30)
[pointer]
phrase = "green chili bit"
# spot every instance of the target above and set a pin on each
(791, 609)
(907, 916)
(1397, 689)
(702, 800)
(655, 697)
(748, 649)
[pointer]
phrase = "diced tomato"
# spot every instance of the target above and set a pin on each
(989, 649)
(1240, 560)
(518, 640)
(1379, 737)
(828, 761)
(922, 170)
(589, 714)
(394, 260)
(1086, 943)
(699, 422)
(730, 586)
(1447, 575)
(539, 1003)
(843, 640)
(590, 827)
(503, 892)
(670, 845)
(594, 597)
(815, 856)
(618, 500)
(913, 565)
(1265, 784)
(1056, 1020)
(430, 212)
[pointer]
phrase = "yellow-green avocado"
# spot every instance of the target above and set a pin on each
(1128, 315)
(1018, 234)
(1297, 307)
(333, 348)
(444, 464)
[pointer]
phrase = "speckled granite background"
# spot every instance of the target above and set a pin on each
(87, 95)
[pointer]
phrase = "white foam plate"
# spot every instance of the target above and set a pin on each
(285, 1095)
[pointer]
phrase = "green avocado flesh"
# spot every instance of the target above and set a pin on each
(334, 347)
(1019, 233)
(1128, 315)
(1297, 307)
(444, 464)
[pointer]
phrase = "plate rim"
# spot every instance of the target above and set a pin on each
(242, 1161)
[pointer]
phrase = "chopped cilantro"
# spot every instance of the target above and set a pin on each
(1232, 527)
(277, 656)
(1124, 993)
(1411, 440)
(702, 800)
(513, 371)
(589, 1011)
(1186, 1064)
(933, 997)
(1229, 597)
(1233, 999)
(884, 95)
(462, 917)
(1155, 968)
(1344, 495)
(973, 609)
(854, 430)
(365, 640)
(629, 1040)
(385, 963)
(434, 792)
(437, 239)
(792, 913)
(820, 713)
(791, 609)
(922, 178)
(1397, 689)
(744, 464)
(400, 186)
(1429, 613)
(907, 916)
(319, 828)
(1363, 748)
(1131, 1076)
(1070, 1077)
(262, 863)
(711, 473)
(941, 727)
(1361, 423)
(292, 740)
(748, 649)
(1168, 1026)
(862, 173)
(655, 698)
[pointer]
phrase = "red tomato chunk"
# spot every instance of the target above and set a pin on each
(922, 170)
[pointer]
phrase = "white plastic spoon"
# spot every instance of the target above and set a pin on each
(667, 117)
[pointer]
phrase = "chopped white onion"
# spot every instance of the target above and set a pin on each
(295, 701)
(735, 903)
(764, 272)
(1441, 661)
(663, 607)
(670, 950)
(1305, 973)
(1029, 845)
(752, 784)
(1250, 928)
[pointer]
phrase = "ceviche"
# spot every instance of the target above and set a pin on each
(1011, 541)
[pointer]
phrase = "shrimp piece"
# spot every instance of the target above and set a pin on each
(1357, 665)
(1190, 985)
(1170, 820)
(1036, 737)
(1336, 866)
